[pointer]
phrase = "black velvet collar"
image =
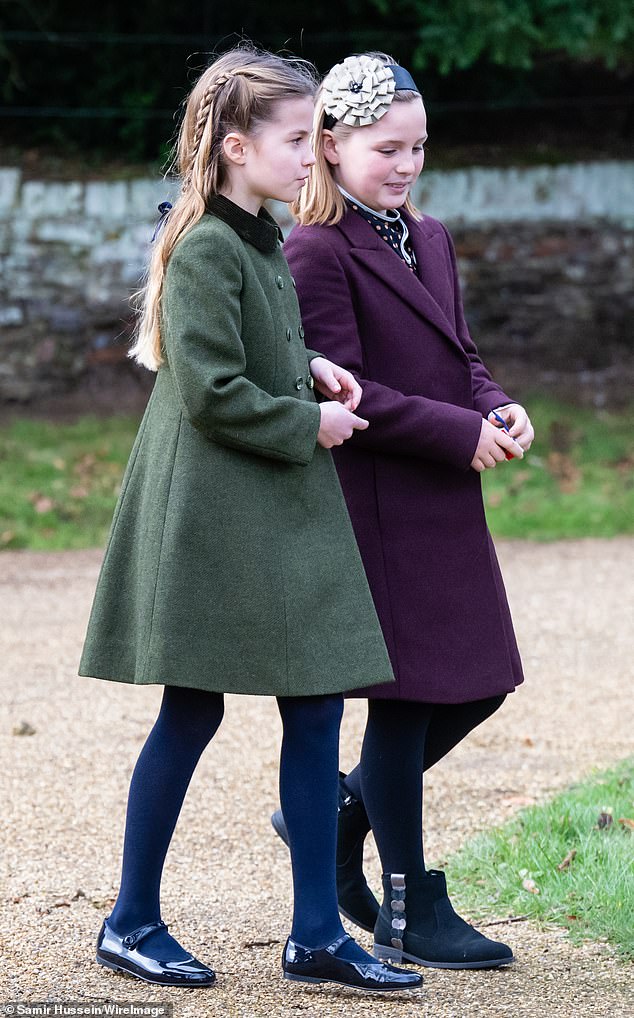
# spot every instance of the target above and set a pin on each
(262, 231)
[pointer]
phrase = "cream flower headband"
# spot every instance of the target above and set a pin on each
(359, 91)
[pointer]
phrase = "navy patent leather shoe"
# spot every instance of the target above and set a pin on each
(124, 954)
(322, 965)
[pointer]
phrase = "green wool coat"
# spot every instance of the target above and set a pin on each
(231, 564)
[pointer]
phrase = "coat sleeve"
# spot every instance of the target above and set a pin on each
(202, 323)
(407, 425)
(487, 395)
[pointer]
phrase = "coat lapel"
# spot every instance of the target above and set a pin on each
(368, 249)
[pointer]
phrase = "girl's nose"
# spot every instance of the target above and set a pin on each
(309, 159)
(405, 164)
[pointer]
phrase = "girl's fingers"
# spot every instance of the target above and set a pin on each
(326, 375)
(519, 426)
(504, 439)
(360, 423)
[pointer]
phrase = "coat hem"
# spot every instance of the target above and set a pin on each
(419, 696)
(268, 690)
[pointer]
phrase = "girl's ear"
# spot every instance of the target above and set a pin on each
(233, 148)
(330, 148)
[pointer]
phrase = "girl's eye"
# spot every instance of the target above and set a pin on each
(388, 151)
(296, 141)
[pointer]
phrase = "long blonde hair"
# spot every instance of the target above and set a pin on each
(320, 201)
(238, 92)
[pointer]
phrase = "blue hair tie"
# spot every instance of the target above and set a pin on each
(164, 208)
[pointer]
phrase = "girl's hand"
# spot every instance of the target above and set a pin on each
(336, 383)
(337, 424)
(491, 448)
(518, 423)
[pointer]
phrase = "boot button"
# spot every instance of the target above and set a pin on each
(299, 382)
(301, 331)
(310, 382)
(289, 333)
(280, 282)
(293, 281)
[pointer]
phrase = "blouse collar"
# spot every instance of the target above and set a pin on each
(389, 216)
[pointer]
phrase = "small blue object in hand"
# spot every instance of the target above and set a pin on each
(502, 422)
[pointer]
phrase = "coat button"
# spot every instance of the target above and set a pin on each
(293, 281)
(299, 382)
(289, 333)
(301, 331)
(310, 382)
(280, 282)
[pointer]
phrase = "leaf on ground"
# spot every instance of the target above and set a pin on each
(565, 471)
(7, 536)
(519, 800)
(519, 480)
(627, 823)
(625, 466)
(530, 885)
(85, 465)
(561, 436)
(41, 503)
(565, 863)
(23, 728)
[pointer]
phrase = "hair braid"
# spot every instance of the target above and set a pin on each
(256, 81)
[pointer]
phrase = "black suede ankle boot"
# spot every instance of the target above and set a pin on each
(356, 901)
(417, 923)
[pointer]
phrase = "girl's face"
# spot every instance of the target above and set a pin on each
(378, 164)
(275, 161)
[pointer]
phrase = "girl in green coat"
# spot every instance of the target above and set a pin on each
(231, 564)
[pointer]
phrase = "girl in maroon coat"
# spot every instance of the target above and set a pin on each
(379, 293)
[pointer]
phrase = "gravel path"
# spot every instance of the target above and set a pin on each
(227, 883)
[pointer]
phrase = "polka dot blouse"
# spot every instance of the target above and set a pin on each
(390, 227)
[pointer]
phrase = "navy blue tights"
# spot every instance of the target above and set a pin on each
(187, 721)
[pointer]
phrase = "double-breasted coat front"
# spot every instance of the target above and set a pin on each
(232, 564)
(415, 502)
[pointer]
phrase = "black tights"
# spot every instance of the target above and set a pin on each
(403, 739)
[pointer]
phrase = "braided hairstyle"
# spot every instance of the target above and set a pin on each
(238, 92)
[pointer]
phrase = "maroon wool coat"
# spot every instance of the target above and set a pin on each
(415, 503)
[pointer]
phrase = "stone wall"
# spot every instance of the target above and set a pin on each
(546, 257)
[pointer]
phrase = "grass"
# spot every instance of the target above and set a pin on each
(576, 481)
(569, 862)
(59, 482)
